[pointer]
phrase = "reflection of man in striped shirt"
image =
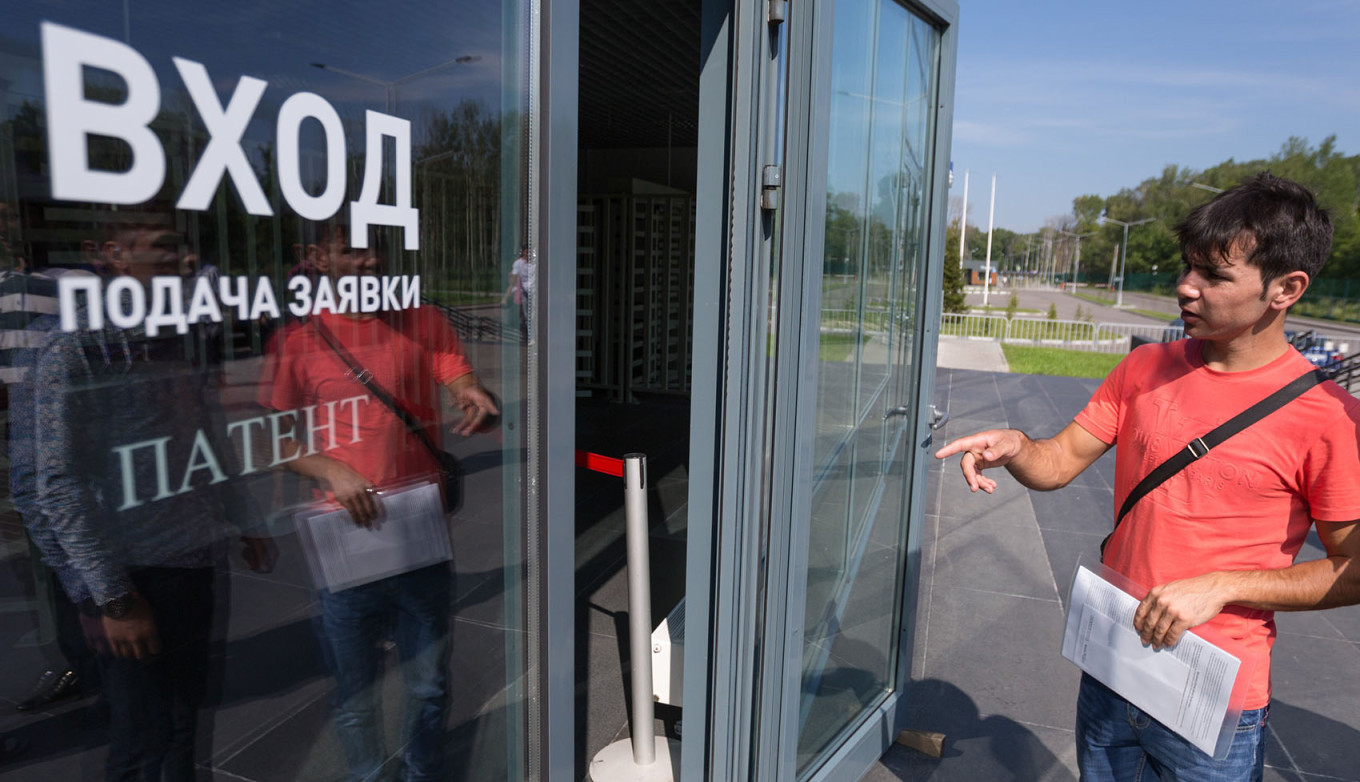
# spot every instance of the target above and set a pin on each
(24, 297)
(23, 294)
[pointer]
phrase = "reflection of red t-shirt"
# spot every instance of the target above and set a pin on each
(1247, 504)
(410, 354)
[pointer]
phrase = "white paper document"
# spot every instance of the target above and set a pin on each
(410, 533)
(1185, 687)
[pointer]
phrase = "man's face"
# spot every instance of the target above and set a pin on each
(339, 259)
(1221, 300)
(145, 253)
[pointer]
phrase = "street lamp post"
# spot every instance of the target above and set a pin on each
(963, 220)
(1076, 257)
(1124, 254)
(987, 269)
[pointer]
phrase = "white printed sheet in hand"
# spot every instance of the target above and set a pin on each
(1186, 687)
(410, 533)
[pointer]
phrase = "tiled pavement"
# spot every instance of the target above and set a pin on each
(987, 668)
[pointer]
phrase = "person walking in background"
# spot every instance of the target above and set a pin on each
(523, 278)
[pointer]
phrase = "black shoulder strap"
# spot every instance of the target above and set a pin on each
(1200, 446)
(365, 378)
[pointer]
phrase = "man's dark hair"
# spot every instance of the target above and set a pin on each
(1277, 222)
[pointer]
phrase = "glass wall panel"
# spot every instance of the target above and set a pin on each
(266, 306)
(842, 328)
(882, 71)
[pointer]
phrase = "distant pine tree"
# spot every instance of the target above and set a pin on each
(953, 274)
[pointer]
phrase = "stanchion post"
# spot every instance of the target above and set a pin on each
(643, 757)
(643, 728)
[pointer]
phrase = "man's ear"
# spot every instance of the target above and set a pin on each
(89, 253)
(1287, 289)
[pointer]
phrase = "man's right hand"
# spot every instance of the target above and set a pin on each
(982, 451)
(1043, 465)
(132, 636)
(354, 492)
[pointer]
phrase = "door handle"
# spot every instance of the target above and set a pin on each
(899, 410)
(938, 418)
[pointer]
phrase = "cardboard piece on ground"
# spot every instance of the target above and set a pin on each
(923, 741)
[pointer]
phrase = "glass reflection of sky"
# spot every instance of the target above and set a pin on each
(865, 92)
(279, 41)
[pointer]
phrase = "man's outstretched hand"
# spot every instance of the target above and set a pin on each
(479, 409)
(983, 451)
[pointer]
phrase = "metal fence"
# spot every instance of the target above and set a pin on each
(876, 322)
(1070, 334)
(1051, 333)
(972, 326)
(477, 328)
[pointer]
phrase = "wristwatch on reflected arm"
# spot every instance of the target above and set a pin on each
(120, 606)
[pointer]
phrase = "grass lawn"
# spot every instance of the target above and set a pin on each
(1057, 361)
(835, 347)
(462, 298)
(1162, 316)
(1002, 310)
(1091, 297)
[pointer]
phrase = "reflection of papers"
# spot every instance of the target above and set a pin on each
(411, 533)
(1185, 687)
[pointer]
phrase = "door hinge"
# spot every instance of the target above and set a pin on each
(771, 182)
(778, 11)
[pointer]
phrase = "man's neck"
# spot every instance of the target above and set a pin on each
(1249, 350)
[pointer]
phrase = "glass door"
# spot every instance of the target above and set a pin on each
(878, 118)
(323, 205)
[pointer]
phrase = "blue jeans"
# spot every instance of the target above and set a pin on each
(1117, 741)
(414, 607)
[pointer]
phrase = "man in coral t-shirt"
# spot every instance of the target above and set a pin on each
(354, 446)
(1214, 544)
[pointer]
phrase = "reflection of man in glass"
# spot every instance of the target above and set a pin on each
(25, 296)
(131, 507)
(367, 448)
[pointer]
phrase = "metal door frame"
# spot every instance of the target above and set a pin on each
(738, 573)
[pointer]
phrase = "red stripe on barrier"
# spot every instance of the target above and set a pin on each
(597, 463)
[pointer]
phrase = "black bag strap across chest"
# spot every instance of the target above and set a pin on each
(366, 379)
(1201, 445)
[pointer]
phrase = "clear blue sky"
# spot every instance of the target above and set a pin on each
(1068, 97)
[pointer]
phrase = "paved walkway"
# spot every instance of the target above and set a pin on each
(982, 354)
(995, 570)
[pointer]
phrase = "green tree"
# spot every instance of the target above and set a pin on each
(953, 275)
(1053, 311)
(1169, 197)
